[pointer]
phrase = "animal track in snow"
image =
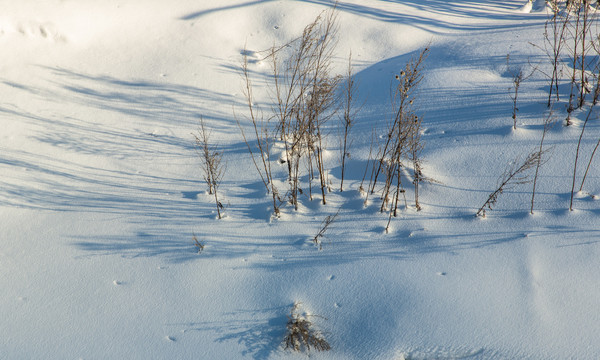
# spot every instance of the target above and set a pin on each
(33, 30)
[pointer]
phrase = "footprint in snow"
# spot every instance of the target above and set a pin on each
(34, 29)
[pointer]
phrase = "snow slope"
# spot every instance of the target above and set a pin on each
(101, 191)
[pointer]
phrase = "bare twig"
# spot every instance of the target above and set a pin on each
(323, 228)
(512, 176)
(198, 244)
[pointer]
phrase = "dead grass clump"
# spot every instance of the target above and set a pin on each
(301, 334)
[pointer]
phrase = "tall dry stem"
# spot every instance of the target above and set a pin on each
(548, 122)
(347, 120)
(262, 138)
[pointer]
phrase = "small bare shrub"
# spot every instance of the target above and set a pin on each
(211, 163)
(416, 145)
(303, 92)
(403, 139)
(301, 334)
(582, 33)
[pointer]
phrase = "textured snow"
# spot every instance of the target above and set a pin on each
(101, 191)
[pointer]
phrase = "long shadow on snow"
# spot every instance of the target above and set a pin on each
(460, 107)
(62, 185)
(162, 102)
(260, 331)
(464, 9)
(127, 185)
(295, 249)
(95, 138)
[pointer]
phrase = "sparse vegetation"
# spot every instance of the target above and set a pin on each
(304, 93)
(572, 44)
(555, 32)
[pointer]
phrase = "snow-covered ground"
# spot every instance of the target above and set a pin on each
(101, 190)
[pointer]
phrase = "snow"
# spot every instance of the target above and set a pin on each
(101, 190)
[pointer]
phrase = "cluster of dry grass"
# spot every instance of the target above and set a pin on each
(301, 334)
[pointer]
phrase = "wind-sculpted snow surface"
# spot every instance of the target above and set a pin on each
(102, 191)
